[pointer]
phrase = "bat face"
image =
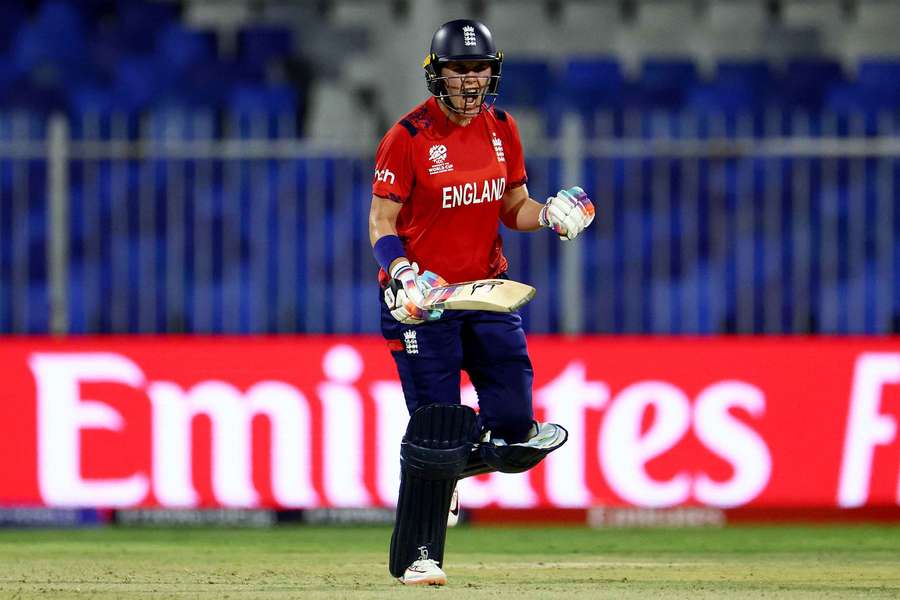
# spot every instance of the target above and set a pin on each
(496, 295)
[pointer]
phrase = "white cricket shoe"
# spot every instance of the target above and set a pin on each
(453, 515)
(424, 571)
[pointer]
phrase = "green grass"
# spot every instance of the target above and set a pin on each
(520, 563)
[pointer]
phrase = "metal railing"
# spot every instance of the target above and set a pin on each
(181, 223)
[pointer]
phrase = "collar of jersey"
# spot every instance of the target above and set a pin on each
(442, 124)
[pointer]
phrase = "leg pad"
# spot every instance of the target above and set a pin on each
(438, 442)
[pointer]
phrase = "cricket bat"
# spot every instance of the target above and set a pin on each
(495, 295)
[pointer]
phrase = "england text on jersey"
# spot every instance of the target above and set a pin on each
(472, 192)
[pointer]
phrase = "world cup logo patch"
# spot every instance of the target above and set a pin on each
(438, 153)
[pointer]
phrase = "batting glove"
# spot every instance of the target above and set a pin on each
(405, 293)
(567, 213)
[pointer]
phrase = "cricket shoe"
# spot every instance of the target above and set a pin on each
(424, 571)
(453, 515)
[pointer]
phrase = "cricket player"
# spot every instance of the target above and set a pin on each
(446, 176)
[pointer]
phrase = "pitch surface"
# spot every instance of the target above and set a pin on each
(521, 563)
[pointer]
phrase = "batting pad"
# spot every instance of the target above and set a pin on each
(434, 451)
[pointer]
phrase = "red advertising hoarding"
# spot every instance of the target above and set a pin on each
(316, 422)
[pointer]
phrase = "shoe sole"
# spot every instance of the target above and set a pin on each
(437, 580)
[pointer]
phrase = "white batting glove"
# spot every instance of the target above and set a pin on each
(405, 294)
(567, 213)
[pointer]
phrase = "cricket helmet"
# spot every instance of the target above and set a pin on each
(462, 40)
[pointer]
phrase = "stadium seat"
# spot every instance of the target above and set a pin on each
(141, 20)
(526, 83)
(140, 81)
(12, 16)
(737, 87)
(592, 82)
(805, 81)
(54, 42)
(206, 84)
(663, 82)
(259, 45)
(880, 75)
(755, 73)
(851, 104)
(181, 48)
(247, 99)
(260, 110)
(10, 74)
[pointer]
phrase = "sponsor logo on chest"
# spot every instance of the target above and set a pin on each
(437, 154)
(473, 192)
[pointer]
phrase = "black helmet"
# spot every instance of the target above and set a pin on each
(461, 40)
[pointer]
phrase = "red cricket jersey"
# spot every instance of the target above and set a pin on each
(450, 181)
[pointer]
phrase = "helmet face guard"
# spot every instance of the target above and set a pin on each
(463, 40)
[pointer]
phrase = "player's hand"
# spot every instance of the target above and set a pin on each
(405, 293)
(567, 213)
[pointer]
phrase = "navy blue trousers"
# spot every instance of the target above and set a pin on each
(490, 347)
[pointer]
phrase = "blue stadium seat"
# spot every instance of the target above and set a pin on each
(54, 42)
(664, 82)
(12, 16)
(881, 76)
(35, 98)
(592, 82)
(274, 99)
(526, 83)
(87, 99)
(718, 97)
(10, 74)
(850, 102)
(181, 48)
(755, 73)
(206, 84)
(258, 45)
(806, 81)
(140, 81)
(141, 20)
(252, 105)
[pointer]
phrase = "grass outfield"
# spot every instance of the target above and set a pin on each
(524, 563)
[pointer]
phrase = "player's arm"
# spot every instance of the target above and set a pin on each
(519, 211)
(383, 220)
(405, 294)
(567, 213)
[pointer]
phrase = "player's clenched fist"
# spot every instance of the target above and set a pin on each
(567, 213)
(405, 293)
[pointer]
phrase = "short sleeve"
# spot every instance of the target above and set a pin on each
(515, 159)
(394, 176)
